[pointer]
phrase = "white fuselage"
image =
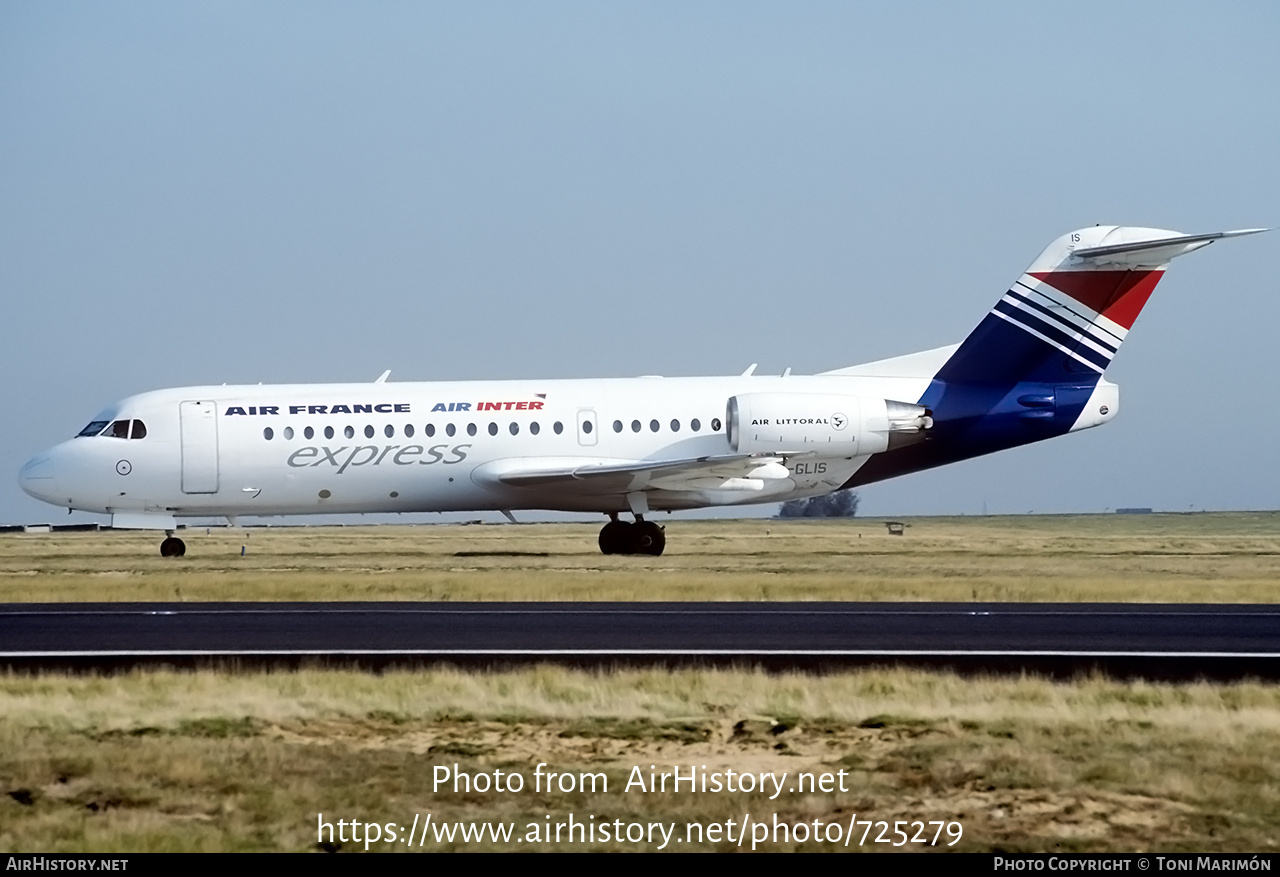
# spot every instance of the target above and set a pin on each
(427, 447)
(1031, 370)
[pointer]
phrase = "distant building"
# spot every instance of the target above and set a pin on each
(1133, 511)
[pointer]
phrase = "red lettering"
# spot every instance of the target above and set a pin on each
(522, 406)
(535, 406)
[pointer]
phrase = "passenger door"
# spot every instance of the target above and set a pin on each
(199, 446)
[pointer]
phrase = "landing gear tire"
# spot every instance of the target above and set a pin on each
(173, 547)
(647, 538)
(642, 537)
(615, 537)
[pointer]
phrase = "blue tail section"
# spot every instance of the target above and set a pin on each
(1033, 368)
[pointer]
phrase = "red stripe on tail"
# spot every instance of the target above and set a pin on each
(1117, 295)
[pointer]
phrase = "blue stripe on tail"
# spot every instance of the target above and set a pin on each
(1002, 388)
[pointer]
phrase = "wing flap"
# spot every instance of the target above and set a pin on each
(594, 477)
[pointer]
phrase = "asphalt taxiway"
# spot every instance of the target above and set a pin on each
(1169, 641)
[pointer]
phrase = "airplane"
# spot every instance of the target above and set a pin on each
(1034, 368)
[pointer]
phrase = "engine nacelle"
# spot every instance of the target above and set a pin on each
(832, 425)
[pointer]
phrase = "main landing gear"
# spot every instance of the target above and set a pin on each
(623, 537)
(172, 546)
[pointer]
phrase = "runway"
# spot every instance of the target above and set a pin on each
(1157, 641)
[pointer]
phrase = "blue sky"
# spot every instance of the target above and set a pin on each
(280, 192)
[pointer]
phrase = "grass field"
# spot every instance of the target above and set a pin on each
(1226, 558)
(208, 760)
(205, 761)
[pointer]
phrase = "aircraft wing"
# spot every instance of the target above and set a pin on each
(593, 477)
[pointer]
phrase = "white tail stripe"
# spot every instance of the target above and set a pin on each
(1072, 311)
(1061, 299)
(1057, 317)
(1047, 340)
(1064, 340)
(1081, 335)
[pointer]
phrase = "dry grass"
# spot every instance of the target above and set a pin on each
(1226, 558)
(221, 761)
(164, 761)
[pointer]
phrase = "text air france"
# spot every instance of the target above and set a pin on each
(379, 408)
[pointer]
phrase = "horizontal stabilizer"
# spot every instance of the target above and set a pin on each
(1156, 251)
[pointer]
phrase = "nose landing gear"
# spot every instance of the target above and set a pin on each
(623, 537)
(172, 546)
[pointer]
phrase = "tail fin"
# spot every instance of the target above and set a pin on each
(1066, 316)
(1033, 368)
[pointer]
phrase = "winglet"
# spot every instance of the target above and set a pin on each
(751, 369)
(382, 378)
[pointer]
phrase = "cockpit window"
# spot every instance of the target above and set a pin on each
(92, 429)
(124, 429)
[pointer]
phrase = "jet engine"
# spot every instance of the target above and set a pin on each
(831, 425)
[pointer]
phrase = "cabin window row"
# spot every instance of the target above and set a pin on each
(407, 431)
(450, 430)
(655, 425)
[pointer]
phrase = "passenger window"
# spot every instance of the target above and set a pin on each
(493, 428)
(139, 430)
(515, 428)
(715, 424)
(408, 430)
(268, 433)
(119, 429)
(429, 429)
(450, 430)
(349, 432)
(617, 426)
(534, 428)
(288, 433)
(471, 429)
(389, 431)
(635, 426)
(695, 424)
(675, 426)
(368, 431)
(308, 433)
(654, 425)
(328, 432)
(558, 427)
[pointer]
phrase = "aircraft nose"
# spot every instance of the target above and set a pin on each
(37, 477)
